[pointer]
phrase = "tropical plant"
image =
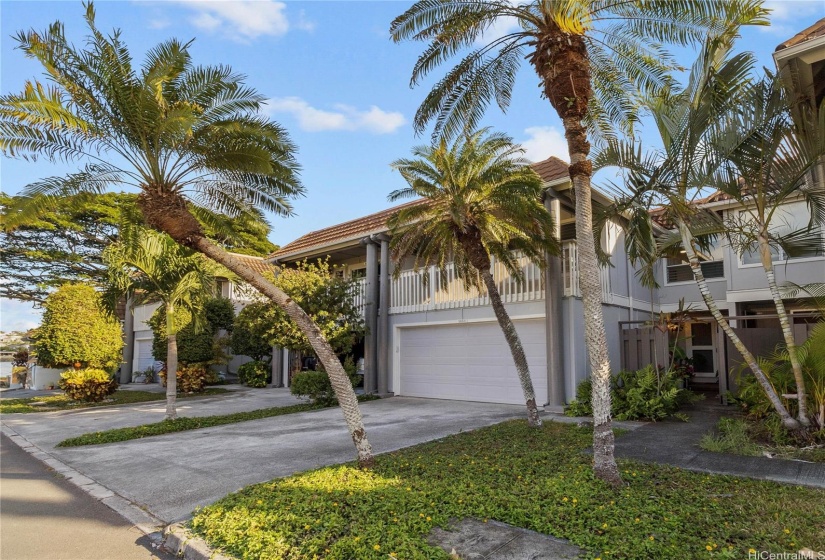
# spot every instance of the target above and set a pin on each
(150, 267)
(676, 175)
(592, 58)
(186, 136)
(481, 200)
(76, 329)
(251, 332)
(87, 385)
(197, 341)
(768, 155)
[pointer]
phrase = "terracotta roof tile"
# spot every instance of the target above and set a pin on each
(814, 31)
(258, 264)
(550, 169)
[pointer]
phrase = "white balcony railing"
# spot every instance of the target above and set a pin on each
(570, 273)
(410, 292)
(359, 294)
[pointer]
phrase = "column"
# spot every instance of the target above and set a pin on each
(277, 368)
(383, 338)
(371, 318)
(129, 339)
(554, 331)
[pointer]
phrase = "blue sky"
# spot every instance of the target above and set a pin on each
(334, 79)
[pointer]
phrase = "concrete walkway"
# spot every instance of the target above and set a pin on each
(676, 443)
(173, 474)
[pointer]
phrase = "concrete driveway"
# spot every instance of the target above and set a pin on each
(171, 475)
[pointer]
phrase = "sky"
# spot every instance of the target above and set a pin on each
(333, 78)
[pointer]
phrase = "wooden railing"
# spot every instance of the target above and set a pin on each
(410, 292)
(570, 273)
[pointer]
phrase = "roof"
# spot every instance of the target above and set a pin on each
(814, 31)
(659, 214)
(258, 264)
(549, 170)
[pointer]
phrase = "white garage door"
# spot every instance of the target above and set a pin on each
(471, 362)
(143, 350)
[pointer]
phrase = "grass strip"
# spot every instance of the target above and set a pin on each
(182, 424)
(535, 478)
(62, 402)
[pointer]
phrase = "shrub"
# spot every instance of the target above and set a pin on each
(191, 378)
(87, 385)
(316, 386)
(75, 329)
(636, 395)
(254, 373)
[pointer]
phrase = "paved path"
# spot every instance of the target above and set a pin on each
(44, 517)
(171, 475)
(674, 442)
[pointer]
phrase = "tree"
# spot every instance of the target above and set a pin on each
(65, 243)
(767, 159)
(482, 200)
(676, 175)
(593, 58)
(62, 245)
(76, 329)
(150, 267)
(326, 298)
(186, 136)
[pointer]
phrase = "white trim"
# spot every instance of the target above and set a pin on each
(782, 262)
(674, 307)
(686, 282)
(635, 304)
(796, 50)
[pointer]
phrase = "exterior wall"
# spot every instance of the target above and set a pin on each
(670, 294)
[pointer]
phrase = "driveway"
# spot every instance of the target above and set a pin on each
(171, 475)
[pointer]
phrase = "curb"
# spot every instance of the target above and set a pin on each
(175, 537)
(184, 544)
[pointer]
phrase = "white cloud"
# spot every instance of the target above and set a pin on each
(242, 20)
(543, 142)
(18, 315)
(785, 15)
(303, 23)
(159, 23)
(344, 117)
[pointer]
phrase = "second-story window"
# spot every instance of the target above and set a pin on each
(790, 220)
(678, 269)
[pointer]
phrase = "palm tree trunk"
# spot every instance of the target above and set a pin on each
(171, 366)
(516, 349)
(693, 260)
(167, 212)
(561, 62)
(604, 461)
(787, 333)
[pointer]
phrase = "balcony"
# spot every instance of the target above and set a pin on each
(410, 293)
(570, 273)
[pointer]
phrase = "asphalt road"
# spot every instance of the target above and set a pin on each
(43, 517)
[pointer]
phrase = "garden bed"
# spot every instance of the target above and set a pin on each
(62, 402)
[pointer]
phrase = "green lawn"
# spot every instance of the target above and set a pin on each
(62, 402)
(537, 479)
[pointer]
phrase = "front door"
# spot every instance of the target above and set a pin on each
(701, 349)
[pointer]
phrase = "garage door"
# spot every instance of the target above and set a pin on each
(470, 362)
(143, 350)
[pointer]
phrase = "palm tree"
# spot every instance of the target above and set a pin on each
(482, 200)
(150, 267)
(769, 157)
(185, 136)
(591, 57)
(677, 174)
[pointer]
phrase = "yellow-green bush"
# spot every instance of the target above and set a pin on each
(191, 378)
(87, 385)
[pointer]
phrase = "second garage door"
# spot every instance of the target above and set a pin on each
(470, 362)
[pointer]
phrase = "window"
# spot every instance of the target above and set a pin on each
(793, 217)
(357, 273)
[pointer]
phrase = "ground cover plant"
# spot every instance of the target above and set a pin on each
(182, 424)
(63, 402)
(537, 479)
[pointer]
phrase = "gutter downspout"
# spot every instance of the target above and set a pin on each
(126, 365)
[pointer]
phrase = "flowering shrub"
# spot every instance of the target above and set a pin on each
(191, 378)
(254, 374)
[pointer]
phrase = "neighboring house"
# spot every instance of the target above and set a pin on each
(427, 342)
(137, 352)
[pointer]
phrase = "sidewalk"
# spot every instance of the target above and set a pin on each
(676, 443)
